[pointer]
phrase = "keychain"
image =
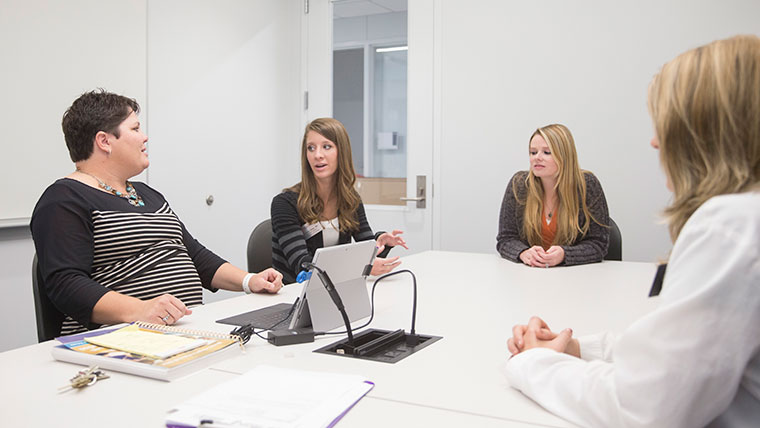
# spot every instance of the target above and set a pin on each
(85, 378)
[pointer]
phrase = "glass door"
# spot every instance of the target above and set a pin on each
(370, 81)
(379, 77)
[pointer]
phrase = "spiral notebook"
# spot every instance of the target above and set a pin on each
(149, 350)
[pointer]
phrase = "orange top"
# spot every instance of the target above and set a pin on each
(548, 231)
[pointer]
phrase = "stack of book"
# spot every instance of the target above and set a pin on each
(149, 350)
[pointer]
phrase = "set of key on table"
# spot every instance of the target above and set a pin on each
(85, 378)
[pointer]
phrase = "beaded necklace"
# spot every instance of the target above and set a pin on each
(131, 196)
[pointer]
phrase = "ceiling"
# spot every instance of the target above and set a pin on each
(352, 8)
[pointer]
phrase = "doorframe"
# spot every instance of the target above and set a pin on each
(424, 115)
(424, 107)
(437, 73)
(316, 60)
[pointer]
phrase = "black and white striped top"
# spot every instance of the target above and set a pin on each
(290, 247)
(89, 242)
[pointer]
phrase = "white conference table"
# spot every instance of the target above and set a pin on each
(472, 300)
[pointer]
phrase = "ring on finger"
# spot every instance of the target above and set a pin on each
(165, 318)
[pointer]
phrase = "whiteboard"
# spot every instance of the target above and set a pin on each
(53, 51)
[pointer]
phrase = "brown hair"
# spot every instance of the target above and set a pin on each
(309, 204)
(91, 113)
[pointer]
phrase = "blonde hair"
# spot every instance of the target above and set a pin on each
(705, 105)
(309, 205)
(570, 187)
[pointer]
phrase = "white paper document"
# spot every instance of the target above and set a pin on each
(273, 397)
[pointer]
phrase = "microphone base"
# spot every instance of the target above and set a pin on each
(380, 345)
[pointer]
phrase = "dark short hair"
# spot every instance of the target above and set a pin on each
(91, 113)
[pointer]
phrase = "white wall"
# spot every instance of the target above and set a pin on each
(221, 80)
(18, 326)
(508, 67)
(225, 113)
(51, 52)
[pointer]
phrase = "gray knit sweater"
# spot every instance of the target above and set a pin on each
(589, 248)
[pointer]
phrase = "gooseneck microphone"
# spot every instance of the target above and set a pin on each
(372, 344)
(330, 287)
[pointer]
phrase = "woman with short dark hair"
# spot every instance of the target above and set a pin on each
(111, 250)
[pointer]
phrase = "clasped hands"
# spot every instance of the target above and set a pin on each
(536, 334)
(536, 256)
(384, 265)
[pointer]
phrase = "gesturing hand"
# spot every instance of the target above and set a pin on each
(382, 266)
(391, 239)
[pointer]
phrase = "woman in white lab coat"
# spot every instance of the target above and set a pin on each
(694, 361)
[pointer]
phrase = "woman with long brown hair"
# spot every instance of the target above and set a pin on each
(695, 360)
(324, 209)
(555, 213)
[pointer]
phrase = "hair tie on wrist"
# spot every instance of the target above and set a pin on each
(247, 279)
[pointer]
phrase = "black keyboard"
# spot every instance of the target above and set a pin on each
(275, 320)
(272, 317)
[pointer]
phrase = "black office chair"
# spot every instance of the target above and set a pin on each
(49, 319)
(615, 250)
(260, 247)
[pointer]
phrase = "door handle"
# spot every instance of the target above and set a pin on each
(420, 198)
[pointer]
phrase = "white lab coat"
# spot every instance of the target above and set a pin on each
(694, 361)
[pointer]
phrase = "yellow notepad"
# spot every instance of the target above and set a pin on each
(154, 345)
